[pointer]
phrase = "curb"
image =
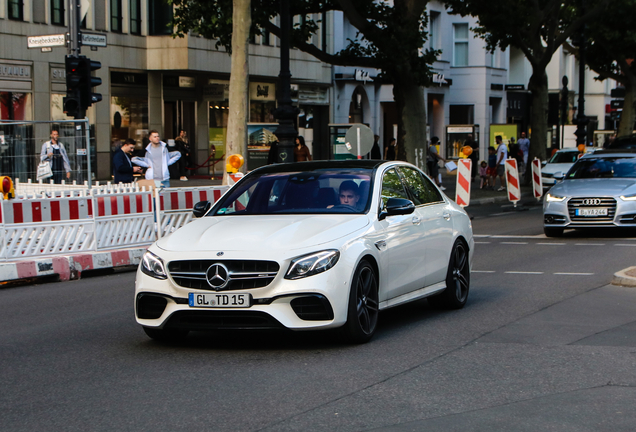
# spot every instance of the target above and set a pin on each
(69, 267)
(625, 277)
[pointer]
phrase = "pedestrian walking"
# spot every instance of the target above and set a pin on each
(183, 147)
(123, 169)
(376, 153)
(390, 151)
(492, 166)
(54, 153)
(157, 160)
(502, 155)
(474, 156)
(301, 151)
(432, 162)
(524, 146)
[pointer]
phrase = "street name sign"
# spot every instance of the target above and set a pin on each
(94, 40)
(53, 40)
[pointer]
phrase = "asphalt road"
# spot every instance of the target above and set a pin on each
(543, 344)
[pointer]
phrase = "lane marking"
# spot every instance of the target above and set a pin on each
(518, 236)
(589, 244)
(573, 274)
(482, 271)
(514, 243)
(477, 242)
(622, 244)
(523, 272)
(552, 244)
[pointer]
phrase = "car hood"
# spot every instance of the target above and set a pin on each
(595, 187)
(266, 233)
(556, 167)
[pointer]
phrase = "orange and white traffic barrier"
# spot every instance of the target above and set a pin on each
(123, 203)
(462, 191)
(512, 180)
(537, 184)
(185, 199)
(47, 210)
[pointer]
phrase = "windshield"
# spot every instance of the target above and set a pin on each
(614, 167)
(564, 157)
(320, 191)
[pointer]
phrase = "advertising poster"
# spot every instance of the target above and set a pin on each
(259, 138)
(506, 131)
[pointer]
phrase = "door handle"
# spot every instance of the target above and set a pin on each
(446, 215)
(416, 220)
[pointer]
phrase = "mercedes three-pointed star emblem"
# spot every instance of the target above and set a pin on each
(218, 276)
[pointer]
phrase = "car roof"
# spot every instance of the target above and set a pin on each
(611, 153)
(320, 165)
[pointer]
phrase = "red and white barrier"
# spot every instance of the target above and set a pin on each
(537, 183)
(512, 180)
(123, 204)
(47, 210)
(462, 191)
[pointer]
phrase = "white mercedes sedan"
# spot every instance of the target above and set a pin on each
(305, 246)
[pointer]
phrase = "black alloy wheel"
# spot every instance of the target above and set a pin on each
(457, 279)
(363, 310)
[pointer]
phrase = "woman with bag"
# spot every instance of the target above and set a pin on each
(54, 154)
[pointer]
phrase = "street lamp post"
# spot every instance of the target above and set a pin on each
(581, 120)
(286, 113)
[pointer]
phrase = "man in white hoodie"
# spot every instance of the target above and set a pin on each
(157, 160)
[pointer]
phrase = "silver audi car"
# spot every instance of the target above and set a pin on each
(599, 190)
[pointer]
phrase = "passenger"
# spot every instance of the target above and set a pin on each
(349, 194)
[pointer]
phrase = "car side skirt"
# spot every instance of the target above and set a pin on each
(413, 295)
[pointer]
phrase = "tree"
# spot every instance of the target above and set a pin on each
(390, 38)
(610, 53)
(536, 27)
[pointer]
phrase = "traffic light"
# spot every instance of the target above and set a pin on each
(71, 103)
(79, 85)
(89, 81)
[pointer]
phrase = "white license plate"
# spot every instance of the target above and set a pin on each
(214, 300)
(591, 212)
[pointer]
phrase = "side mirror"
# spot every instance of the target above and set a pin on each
(201, 208)
(544, 163)
(559, 175)
(397, 206)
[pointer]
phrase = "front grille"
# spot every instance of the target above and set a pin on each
(214, 320)
(312, 308)
(584, 203)
(243, 274)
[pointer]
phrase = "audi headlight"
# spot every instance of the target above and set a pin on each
(312, 264)
(153, 266)
(628, 197)
(553, 198)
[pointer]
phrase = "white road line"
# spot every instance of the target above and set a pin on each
(517, 236)
(574, 274)
(482, 271)
(622, 244)
(501, 214)
(552, 244)
(490, 242)
(514, 243)
(523, 272)
(589, 244)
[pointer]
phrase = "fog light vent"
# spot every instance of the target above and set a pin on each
(150, 306)
(312, 308)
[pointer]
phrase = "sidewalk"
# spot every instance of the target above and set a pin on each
(480, 196)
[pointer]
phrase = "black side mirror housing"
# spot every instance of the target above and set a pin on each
(201, 208)
(397, 206)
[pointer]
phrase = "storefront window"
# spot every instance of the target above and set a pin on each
(262, 102)
(17, 148)
(129, 119)
(218, 129)
(15, 106)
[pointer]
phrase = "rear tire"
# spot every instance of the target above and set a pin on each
(363, 309)
(552, 232)
(166, 335)
(455, 295)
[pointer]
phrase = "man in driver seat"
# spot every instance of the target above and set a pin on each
(349, 194)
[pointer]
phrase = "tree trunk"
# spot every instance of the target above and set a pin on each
(538, 85)
(236, 142)
(411, 111)
(628, 116)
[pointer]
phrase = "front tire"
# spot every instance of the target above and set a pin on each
(363, 309)
(552, 232)
(455, 295)
(166, 335)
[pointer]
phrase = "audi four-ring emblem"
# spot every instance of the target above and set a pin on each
(591, 201)
(218, 276)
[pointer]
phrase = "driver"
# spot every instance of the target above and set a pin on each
(349, 194)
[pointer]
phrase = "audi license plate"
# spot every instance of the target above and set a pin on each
(238, 300)
(591, 212)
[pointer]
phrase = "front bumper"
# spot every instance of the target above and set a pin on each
(314, 302)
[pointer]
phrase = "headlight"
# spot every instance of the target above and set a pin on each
(312, 264)
(628, 197)
(552, 198)
(152, 265)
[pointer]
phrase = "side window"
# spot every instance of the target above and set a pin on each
(434, 195)
(414, 182)
(392, 187)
